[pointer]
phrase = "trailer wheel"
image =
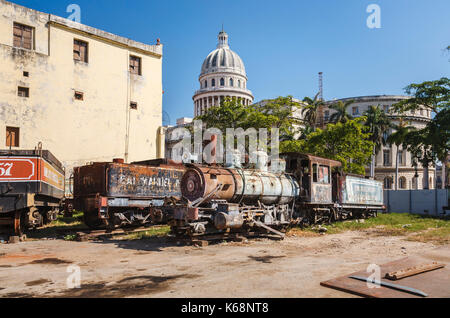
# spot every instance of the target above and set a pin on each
(92, 220)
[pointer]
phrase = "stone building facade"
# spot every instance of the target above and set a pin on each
(385, 163)
(86, 94)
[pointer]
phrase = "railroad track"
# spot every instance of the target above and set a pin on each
(82, 236)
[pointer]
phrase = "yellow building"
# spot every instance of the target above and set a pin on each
(86, 94)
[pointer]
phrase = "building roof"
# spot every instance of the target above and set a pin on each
(223, 59)
(93, 32)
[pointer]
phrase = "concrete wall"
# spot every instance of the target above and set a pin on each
(76, 132)
(429, 202)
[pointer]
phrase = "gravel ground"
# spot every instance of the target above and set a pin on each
(291, 268)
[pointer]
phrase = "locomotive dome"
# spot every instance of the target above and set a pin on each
(222, 76)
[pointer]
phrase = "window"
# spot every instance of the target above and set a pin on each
(400, 158)
(135, 65)
(315, 173)
(80, 51)
(324, 174)
(386, 108)
(388, 183)
(239, 83)
(23, 36)
(386, 157)
(133, 105)
(231, 82)
(23, 91)
(355, 111)
(402, 183)
(206, 84)
(26, 74)
(222, 82)
(213, 83)
(327, 115)
(79, 95)
(12, 137)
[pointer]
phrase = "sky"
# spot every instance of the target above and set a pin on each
(283, 43)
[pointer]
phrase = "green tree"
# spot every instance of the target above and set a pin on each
(378, 124)
(230, 114)
(433, 96)
(310, 110)
(346, 142)
(398, 139)
(341, 114)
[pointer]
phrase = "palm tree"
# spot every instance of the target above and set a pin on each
(398, 139)
(341, 114)
(379, 124)
(311, 109)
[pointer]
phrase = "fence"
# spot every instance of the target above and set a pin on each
(428, 202)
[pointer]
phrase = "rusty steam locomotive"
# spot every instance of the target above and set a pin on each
(298, 189)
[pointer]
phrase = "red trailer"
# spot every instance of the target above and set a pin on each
(31, 189)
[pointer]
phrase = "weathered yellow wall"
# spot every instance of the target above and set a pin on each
(75, 131)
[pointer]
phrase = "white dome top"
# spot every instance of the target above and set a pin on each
(223, 59)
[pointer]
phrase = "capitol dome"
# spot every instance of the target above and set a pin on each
(222, 75)
(223, 59)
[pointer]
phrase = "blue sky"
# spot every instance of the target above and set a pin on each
(283, 43)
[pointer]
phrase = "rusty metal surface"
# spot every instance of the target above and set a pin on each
(127, 180)
(238, 185)
(313, 159)
(434, 283)
(321, 193)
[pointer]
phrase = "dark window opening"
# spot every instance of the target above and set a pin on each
(12, 137)
(135, 65)
(23, 92)
(23, 36)
(79, 95)
(133, 105)
(26, 74)
(315, 173)
(80, 51)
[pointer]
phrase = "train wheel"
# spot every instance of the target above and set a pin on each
(19, 222)
(91, 220)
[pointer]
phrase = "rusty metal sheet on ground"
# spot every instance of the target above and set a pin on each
(434, 283)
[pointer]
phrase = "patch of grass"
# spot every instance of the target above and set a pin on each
(416, 227)
(297, 232)
(159, 231)
(393, 223)
(439, 236)
(58, 227)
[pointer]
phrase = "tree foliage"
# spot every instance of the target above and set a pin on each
(345, 142)
(310, 110)
(431, 142)
(378, 124)
(341, 114)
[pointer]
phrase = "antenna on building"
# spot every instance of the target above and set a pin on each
(321, 85)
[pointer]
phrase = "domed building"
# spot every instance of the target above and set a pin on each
(222, 75)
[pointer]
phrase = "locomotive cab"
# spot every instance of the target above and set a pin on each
(314, 175)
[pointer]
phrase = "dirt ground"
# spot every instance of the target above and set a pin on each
(291, 268)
